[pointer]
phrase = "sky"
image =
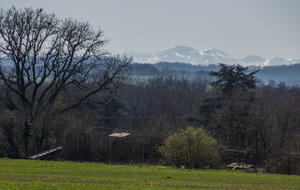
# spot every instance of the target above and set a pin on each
(267, 28)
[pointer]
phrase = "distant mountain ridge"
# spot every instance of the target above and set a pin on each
(184, 54)
(253, 59)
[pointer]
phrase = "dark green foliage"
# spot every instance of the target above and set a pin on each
(209, 105)
(227, 115)
(26, 134)
(9, 129)
(41, 136)
(232, 78)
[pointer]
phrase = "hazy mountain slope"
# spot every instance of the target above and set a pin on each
(253, 59)
(186, 55)
(183, 54)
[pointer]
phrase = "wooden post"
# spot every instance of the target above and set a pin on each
(75, 148)
(103, 148)
(84, 146)
(66, 147)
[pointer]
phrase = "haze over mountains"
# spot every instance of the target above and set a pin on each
(208, 56)
(189, 59)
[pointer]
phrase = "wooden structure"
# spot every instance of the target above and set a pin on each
(117, 147)
(234, 166)
(45, 154)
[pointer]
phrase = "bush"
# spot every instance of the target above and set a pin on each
(191, 148)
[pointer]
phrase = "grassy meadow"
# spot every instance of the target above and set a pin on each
(34, 174)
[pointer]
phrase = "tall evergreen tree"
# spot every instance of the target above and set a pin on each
(233, 78)
(227, 115)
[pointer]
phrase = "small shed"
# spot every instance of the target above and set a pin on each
(119, 134)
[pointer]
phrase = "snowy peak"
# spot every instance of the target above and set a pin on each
(176, 54)
(282, 61)
(187, 55)
(180, 50)
(213, 52)
(208, 56)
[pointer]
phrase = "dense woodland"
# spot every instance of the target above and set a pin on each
(52, 92)
(262, 119)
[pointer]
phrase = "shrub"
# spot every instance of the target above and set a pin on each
(191, 148)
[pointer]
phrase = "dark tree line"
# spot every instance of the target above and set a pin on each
(263, 120)
(239, 111)
(62, 82)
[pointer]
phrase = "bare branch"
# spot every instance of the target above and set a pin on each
(50, 56)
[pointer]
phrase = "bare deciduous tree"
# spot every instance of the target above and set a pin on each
(52, 56)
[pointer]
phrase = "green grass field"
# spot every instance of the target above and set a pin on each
(32, 174)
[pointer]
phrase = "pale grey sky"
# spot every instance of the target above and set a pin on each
(268, 28)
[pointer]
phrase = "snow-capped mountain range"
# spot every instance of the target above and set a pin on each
(190, 55)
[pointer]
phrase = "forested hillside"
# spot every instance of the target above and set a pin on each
(288, 74)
